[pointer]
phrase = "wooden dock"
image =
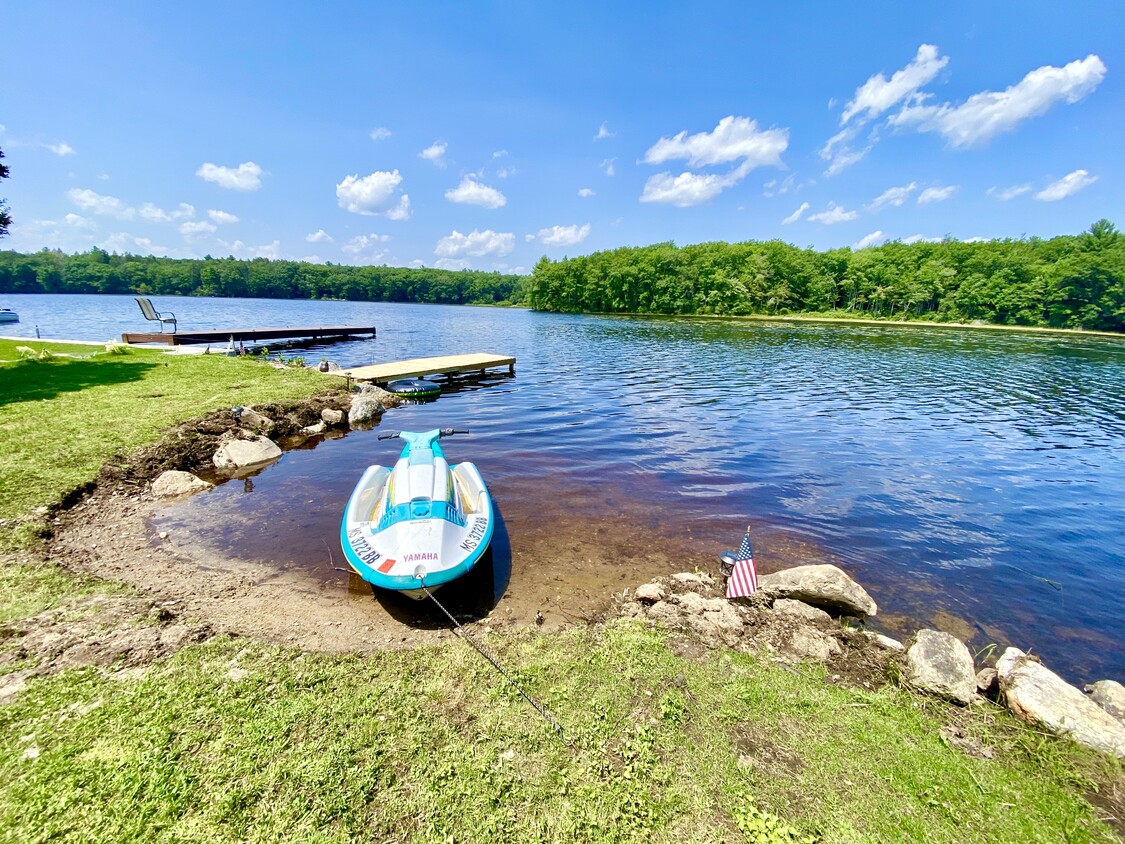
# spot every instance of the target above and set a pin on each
(223, 335)
(381, 373)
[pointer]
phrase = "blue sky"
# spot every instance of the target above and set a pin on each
(486, 135)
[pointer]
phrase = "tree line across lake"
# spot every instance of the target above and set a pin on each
(97, 271)
(1064, 282)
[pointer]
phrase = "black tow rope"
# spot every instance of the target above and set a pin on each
(480, 649)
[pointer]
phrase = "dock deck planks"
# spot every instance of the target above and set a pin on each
(223, 335)
(381, 373)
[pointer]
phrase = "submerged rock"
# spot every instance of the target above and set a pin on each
(237, 454)
(1035, 693)
(174, 483)
(941, 664)
(823, 586)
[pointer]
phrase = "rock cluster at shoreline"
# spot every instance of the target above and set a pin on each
(803, 614)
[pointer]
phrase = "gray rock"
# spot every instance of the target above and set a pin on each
(988, 682)
(663, 611)
(941, 665)
(885, 642)
(332, 416)
(810, 643)
(313, 430)
(822, 586)
(712, 618)
(254, 421)
(174, 483)
(365, 409)
(1036, 694)
(800, 611)
(1110, 696)
(237, 454)
(650, 593)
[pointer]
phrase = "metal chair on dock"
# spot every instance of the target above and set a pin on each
(156, 316)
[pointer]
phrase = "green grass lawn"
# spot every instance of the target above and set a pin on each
(233, 740)
(63, 417)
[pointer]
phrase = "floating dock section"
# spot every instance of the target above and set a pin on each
(381, 373)
(224, 335)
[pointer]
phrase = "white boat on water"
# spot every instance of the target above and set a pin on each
(8, 315)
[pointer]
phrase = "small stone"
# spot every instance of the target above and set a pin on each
(885, 642)
(801, 611)
(331, 416)
(988, 682)
(1110, 696)
(650, 593)
(237, 454)
(255, 421)
(174, 483)
(313, 430)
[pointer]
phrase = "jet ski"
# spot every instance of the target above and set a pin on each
(420, 522)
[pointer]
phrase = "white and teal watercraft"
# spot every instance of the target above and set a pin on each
(420, 522)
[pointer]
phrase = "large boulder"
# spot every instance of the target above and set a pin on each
(941, 664)
(238, 454)
(822, 586)
(174, 483)
(1036, 694)
(1110, 696)
(365, 410)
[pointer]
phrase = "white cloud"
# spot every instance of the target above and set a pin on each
(380, 134)
(796, 215)
(246, 176)
(921, 238)
(435, 153)
(449, 263)
(869, 240)
(318, 236)
(845, 158)
(585, 193)
(121, 242)
(686, 189)
(154, 214)
(60, 149)
(505, 172)
(363, 242)
(197, 227)
(1004, 194)
(373, 195)
(832, 215)
(476, 243)
(893, 196)
(878, 94)
(604, 133)
(472, 192)
(1068, 185)
(560, 235)
(990, 113)
(96, 203)
(79, 222)
(238, 249)
(609, 166)
(222, 217)
(936, 194)
(733, 139)
(500, 153)
(775, 188)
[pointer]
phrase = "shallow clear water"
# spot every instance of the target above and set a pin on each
(973, 474)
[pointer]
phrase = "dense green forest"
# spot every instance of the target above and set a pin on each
(97, 271)
(1073, 281)
(1065, 282)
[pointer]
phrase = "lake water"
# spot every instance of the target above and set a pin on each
(971, 480)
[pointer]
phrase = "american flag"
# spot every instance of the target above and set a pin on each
(744, 579)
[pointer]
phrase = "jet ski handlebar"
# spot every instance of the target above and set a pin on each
(445, 432)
